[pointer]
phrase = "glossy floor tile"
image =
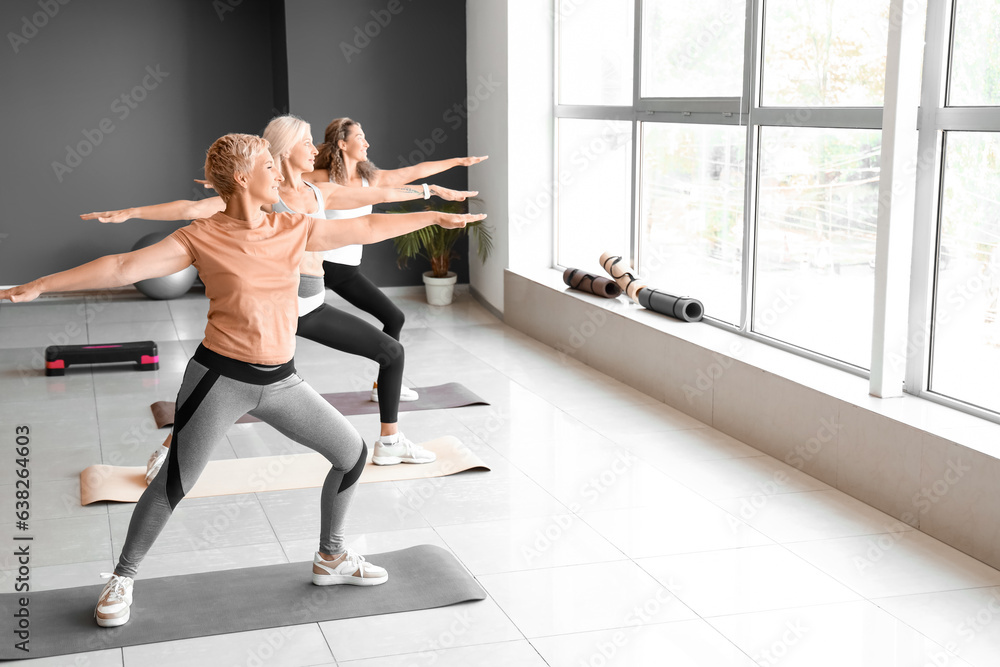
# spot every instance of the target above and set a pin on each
(611, 530)
(854, 633)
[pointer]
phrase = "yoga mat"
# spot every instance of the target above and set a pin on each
(588, 282)
(272, 473)
(451, 395)
(618, 269)
(682, 308)
(212, 603)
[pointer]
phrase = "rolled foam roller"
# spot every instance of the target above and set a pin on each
(588, 282)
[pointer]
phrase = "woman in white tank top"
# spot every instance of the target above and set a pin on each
(343, 159)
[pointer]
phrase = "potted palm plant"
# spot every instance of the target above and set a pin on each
(437, 244)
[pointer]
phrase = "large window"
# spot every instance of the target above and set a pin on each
(691, 222)
(595, 53)
(697, 48)
(595, 189)
(740, 150)
(824, 52)
(975, 61)
(817, 201)
(966, 356)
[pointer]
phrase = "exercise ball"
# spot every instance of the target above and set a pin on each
(164, 287)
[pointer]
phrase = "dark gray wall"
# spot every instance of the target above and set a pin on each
(400, 72)
(68, 74)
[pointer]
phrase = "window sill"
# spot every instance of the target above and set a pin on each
(927, 416)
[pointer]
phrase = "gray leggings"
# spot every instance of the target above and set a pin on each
(209, 402)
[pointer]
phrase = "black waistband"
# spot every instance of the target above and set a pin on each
(241, 370)
(336, 273)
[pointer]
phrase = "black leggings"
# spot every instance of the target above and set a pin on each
(348, 282)
(342, 331)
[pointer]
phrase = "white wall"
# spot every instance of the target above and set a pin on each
(486, 30)
(510, 44)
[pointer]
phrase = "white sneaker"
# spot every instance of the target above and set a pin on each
(405, 394)
(155, 462)
(116, 598)
(399, 449)
(351, 568)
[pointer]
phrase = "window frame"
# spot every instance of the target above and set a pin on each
(935, 119)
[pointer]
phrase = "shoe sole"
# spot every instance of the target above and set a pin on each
(346, 579)
(113, 622)
(393, 460)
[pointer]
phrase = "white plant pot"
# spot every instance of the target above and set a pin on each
(440, 290)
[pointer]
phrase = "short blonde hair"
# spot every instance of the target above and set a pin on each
(282, 133)
(228, 155)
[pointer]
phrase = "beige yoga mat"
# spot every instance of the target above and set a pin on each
(272, 473)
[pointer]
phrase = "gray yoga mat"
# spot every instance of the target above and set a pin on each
(438, 397)
(212, 603)
(679, 307)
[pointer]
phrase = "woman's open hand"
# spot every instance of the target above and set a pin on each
(452, 195)
(21, 293)
(120, 215)
(458, 220)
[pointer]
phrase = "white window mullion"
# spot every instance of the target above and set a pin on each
(637, 74)
(927, 206)
(753, 55)
(897, 191)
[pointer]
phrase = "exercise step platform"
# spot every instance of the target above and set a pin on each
(143, 353)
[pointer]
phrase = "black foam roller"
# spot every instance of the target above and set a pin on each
(680, 307)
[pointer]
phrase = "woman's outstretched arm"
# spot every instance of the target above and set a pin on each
(397, 177)
(330, 234)
(341, 197)
(160, 259)
(182, 209)
(403, 175)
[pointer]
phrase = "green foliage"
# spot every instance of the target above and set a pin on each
(436, 244)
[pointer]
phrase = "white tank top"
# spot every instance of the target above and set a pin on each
(311, 292)
(349, 254)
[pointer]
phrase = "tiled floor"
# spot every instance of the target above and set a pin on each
(612, 530)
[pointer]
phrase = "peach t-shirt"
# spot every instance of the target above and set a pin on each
(251, 279)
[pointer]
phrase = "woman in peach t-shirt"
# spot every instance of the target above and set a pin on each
(245, 364)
